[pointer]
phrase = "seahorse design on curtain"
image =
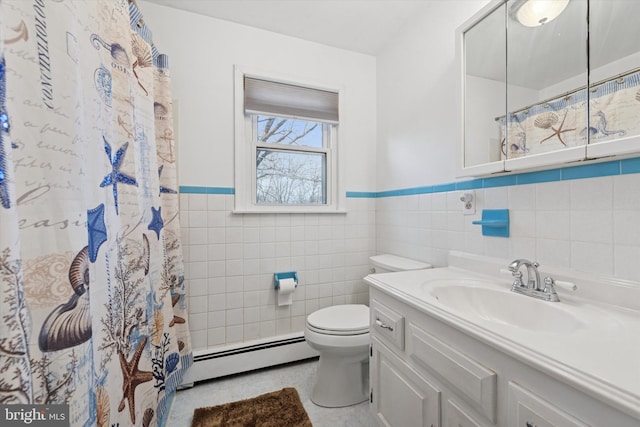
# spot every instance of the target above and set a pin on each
(613, 110)
(92, 284)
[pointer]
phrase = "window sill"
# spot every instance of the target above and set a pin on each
(305, 210)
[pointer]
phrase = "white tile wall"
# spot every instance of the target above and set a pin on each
(591, 225)
(230, 260)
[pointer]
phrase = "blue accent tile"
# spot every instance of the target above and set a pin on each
(405, 192)
(222, 190)
(362, 194)
(499, 181)
(417, 190)
(389, 193)
(441, 188)
(188, 189)
(594, 170)
(591, 171)
(537, 177)
(630, 166)
(469, 185)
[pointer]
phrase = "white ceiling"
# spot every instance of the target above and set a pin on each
(358, 25)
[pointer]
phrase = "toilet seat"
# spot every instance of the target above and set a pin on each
(346, 319)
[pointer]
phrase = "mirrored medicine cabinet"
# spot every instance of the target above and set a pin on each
(543, 87)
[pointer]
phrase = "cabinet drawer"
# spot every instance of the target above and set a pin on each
(529, 410)
(475, 383)
(387, 323)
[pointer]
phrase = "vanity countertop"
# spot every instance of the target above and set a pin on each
(600, 357)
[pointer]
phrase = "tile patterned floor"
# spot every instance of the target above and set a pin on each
(243, 386)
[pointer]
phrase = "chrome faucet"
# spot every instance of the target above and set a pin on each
(533, 276)
(533, 286)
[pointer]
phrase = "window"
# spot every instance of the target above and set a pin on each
(291, 161)
(286, 146)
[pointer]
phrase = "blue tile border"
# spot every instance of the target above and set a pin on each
(189, 189)
(590, 171)
(612, 168)
(471, 184)
(441, 188)
(499, 181)
(361, 194)
(630, 166)
(404, 192)
(538, 177)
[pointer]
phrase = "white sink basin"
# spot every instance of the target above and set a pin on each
(482, 299)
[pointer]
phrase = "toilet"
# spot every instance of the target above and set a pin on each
(340, 334)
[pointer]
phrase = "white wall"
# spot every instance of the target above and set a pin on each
(418, 99)
(588, 225)
(584, 224)
(229, 258)
(202, 52)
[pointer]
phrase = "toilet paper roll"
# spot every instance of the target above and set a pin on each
(285, 291)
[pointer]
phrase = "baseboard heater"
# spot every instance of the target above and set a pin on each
(222, 361)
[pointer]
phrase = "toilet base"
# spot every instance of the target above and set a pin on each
(341, 382)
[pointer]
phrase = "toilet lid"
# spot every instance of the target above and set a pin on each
(346, 319)
(396, 263)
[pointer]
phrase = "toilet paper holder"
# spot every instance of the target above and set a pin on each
(285, 275)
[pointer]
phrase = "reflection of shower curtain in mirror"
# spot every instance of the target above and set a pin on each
(91, 275)
(614, 108)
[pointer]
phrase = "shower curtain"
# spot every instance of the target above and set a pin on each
(92, 297)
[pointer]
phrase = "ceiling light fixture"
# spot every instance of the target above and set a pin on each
(533, 13)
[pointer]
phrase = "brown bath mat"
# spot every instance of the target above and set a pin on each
(276, 409)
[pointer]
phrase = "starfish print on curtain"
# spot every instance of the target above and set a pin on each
(87, 295)
(115, 176)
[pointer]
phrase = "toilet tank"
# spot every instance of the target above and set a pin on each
(387, 263)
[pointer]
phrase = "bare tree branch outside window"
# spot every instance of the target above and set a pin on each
(287, 174)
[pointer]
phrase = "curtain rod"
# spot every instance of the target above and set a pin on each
(567, 95)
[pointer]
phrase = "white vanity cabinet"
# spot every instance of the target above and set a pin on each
(438, 374)
(528, 410)
(421, 381)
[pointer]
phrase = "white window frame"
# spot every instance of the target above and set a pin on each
(246, 145)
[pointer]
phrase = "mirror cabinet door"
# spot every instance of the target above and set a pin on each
(543, 90)
(614, 96)
(484, 93)
(547, 108)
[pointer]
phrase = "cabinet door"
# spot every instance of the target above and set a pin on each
(614, 98)
(528, 410)
(482, 55)
(401, 397)
(473, 382)
(457, 417)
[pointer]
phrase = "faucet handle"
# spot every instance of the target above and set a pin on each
(569, 286)
(517, 276)
(549, 282)
(549, 289)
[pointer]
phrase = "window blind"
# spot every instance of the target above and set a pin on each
(286, 100)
